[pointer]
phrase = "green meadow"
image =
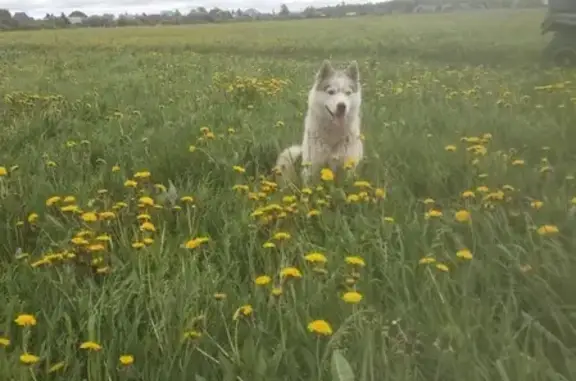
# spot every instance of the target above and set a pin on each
(144, 236)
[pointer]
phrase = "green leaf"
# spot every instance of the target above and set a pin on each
(340, 368)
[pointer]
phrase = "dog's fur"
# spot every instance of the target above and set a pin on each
(332, 125)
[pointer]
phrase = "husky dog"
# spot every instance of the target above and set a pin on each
(332, 125)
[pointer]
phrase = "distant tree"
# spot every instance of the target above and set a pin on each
(284, 11)
(201, 10)
(78, 14)
(6, 20)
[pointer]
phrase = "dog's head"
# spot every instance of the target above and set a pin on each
(337, 91)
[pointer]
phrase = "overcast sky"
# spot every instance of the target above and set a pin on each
(38, 8)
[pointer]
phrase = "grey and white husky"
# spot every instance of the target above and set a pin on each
(331, 127)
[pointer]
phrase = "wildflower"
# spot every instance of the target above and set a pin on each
(462, 216)
(80, 241)
(362, 184)
(89, 217)
(56, 367)
(352, 297)
(315, 258)
(142, 175)
(148, 241)
(96, 247)
(148, 226)
(518, 162)
(464, 254)
(468, 194)
(4, 341)
(313, 213)
(262, 280)
(426, 260)
(355, 261)
(196, 242)
(326, 174)
(281, 236)
(32, 217)
(192, 335)
(53, 200)
(219, 296)
(428, 201)
(276, 291)
(245, 310)
(290, 272)
(138, 245)
(69, 199)
(191, 148)
(239, 169)
(390, 220)
(320, 327)
(545, 230)
(3, 171)
(450, 148)
(536, 204)
(442, 267)
(380, 192)
(29, 359)
(240, 188)
(269, 245)
(25, 320)
(187, 199)
(433, 213)
(116, 168)
(126, 360)
(106, 215)
(130, 184)
(351, 198)
(147, 201)
(90, 346)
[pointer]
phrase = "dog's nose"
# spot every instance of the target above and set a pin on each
(341, 107)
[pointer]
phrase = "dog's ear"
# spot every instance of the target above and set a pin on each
(325, 71)
(353, 72)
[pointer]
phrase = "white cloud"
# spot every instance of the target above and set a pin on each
(38, 8)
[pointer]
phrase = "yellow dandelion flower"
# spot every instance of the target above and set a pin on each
(130, 184)
(96, 247)
(148, 226)
(518, 162)
(29, 359)
(53, 200)
(3, 172)
(442, 267)
(352, 297)
(429, 201)
(116, 168)
(281, 236)
(355, 261)
(220, 296)
(145, 200)
(468, 194)
(243, 311)
(433, 213)
(536, 204)
(240, 188)
(69, 199)
(390, 220)
(56, 367)
(352, 198)
(464, 254)
(450, 148)
(362, 184)
(187, 199)
(290, 272)
(4, 341)
(196, 242)
(70, 208)
(545, 230)
(313, 213)
(106, 215)
(427, 260)
(239, 169)
(126, 360)
(326, 174)
(269, 245)
(315, 257)
(90, 346)
(89, 217)
(263, 280)
(320, 327)
(138, 245)
(380, 193)
(142, 175)
(276, 291)
(462, 216)
(25, 320)
(192, 335)
(32, 217)
(79, 241)
(483, 189)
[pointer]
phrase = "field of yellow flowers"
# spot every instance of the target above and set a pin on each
(144, 237)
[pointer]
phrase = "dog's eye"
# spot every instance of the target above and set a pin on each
(348, 93)
(331, 91)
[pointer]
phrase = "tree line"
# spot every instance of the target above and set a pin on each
(21, 20)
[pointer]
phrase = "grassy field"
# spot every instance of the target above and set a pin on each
(450, 257)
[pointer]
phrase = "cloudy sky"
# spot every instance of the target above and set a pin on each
(38, 8)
